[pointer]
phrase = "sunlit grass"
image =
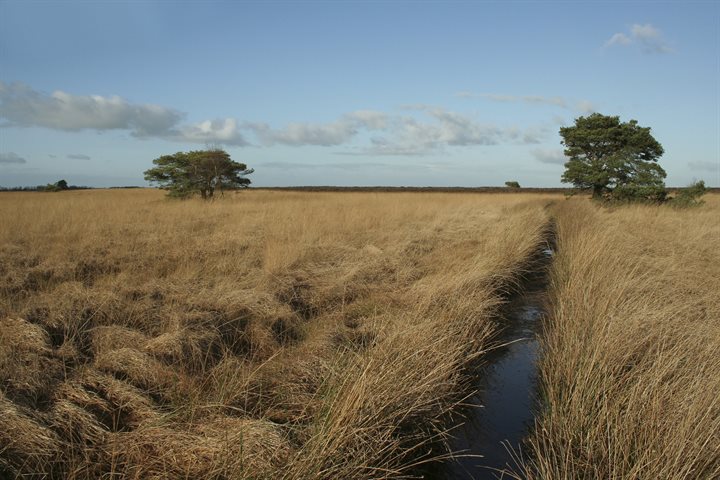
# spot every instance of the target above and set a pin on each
(264, 335)
(631, 370)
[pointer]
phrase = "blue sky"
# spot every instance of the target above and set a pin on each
(350, 93)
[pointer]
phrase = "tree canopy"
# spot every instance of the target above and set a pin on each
(610, 157)
(56, 187)
(198, 172)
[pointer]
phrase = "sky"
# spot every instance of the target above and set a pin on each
(396, 93)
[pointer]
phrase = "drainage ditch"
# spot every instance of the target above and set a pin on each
(502, 412)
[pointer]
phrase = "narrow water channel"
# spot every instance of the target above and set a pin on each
(503, 410)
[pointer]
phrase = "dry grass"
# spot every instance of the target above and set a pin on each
(265, 335)
(631, 369)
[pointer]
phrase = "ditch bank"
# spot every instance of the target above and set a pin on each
(499, 416)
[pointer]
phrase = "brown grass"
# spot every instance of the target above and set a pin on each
(265, 335)
(631, 369)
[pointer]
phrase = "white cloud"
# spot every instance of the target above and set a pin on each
(426, 129)
(646, 32)
(224, 131)
(78, 156)
(650, 38)
(328, 134)
(371, 119)
(554, 156)
(22, 106)
(647, 37)
(11, 157)
(618, 39)
(457, 129)
(408, 135)
(440, 128)
(297, 134)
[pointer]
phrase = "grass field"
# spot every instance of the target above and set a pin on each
(302, 335)
(264, 335)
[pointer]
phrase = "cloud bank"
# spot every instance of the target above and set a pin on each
(416, 130)
(22, 106)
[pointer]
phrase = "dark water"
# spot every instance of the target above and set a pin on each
(503, 410)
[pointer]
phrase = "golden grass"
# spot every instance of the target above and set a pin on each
(264, 335)
(630, 377)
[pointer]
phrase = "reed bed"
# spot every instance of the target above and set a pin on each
(630, 374)
(263, 335)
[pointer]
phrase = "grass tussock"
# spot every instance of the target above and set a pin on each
(265, 335)
(629, 377)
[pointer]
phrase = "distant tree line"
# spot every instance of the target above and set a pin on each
(58, 186)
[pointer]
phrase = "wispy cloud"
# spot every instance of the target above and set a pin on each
(554, 156)
(584, 106)
(705, 166)
(536, 99)
(618, 39)
(78, 156)
(11, 157)
(647, 37)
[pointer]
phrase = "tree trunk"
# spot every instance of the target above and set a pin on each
(598, 191)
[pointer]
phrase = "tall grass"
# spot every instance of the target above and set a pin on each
(264, 335)
(630, 373)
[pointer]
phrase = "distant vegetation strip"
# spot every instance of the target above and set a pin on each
(330, 188)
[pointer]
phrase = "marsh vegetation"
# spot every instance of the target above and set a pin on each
(276, 334)
(630, 381)
(273, 334)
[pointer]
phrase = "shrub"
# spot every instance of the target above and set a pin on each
(690, 196)
(638, 193)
